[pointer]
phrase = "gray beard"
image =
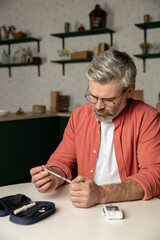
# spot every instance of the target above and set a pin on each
(108, 117)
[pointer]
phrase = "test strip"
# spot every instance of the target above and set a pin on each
(55, 174)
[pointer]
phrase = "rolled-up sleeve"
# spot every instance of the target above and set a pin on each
(64, 156)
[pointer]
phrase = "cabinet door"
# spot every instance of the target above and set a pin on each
(62, 125)
(25, 144)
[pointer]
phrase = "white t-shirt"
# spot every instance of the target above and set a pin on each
(106, 171)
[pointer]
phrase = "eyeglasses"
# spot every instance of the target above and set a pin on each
(106, 101)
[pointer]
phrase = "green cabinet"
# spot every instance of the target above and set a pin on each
(26, 144)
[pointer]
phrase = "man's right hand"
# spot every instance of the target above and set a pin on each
(44, 181)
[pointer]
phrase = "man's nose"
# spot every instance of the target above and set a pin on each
(99, 104)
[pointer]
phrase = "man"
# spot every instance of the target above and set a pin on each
(114, 139)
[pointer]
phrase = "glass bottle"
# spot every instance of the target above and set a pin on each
(4, 57)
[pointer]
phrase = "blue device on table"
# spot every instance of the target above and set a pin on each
(23, 211)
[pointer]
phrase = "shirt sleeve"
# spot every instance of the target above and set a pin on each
(64, 156)
(148, 154)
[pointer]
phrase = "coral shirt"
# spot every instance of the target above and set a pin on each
(136, 142)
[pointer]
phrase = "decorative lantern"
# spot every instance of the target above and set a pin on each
(98, 18)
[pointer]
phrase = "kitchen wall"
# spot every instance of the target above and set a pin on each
(41, 18)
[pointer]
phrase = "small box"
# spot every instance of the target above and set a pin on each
(54, 101)
(138, 95)
(64, 103)
(102, 47)
(39, 108)
(81, 55)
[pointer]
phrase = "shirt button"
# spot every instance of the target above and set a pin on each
(91, 171)
(94, 151)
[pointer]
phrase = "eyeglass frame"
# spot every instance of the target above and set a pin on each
(102, 99)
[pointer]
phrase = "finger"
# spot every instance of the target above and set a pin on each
(79, 194)
(35, 170)
(79, 179)
(76, 186)
(52, 187)
(75, 199)
(43, 181)
(39, 176)
(75, 193)
(80, 203)
(47, 187)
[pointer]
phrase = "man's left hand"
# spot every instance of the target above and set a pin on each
(84, 192)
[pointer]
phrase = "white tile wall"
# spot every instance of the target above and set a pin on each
(41, 18)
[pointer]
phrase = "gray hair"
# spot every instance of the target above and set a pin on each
(112, 65)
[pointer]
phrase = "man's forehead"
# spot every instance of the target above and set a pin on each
(111, 86)
(107, 82)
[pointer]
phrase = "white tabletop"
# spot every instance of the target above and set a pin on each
(141, 219)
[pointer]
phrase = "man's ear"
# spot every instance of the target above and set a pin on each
(130, 91)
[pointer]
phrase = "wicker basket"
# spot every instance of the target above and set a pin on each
(17, 35)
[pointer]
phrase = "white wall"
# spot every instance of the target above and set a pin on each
(41, 18)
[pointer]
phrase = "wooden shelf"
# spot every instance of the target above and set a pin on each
(20, 40)
(84, 33)
(67, 61)
(148, 55)
(9, 42)
(145, 56)
(18, 64)
(149, 25)
(80, 34)
(145, 27)
(9, 66)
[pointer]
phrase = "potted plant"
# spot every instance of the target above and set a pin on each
(145, 46)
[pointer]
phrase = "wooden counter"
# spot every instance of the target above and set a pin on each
(31, 115)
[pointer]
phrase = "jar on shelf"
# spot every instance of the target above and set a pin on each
(98, 18)
(145, 46)
(66, 27)
(5, 57)
(23, 56)
(146, 18)
(81, 28)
